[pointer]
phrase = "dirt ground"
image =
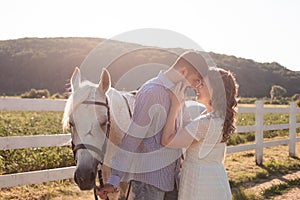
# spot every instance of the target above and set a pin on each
(293, 194)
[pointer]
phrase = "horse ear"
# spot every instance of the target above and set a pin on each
(104, 83)
(75, 79)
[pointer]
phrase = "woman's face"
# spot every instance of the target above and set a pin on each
(203, 92)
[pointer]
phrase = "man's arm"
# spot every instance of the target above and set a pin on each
(147, 105)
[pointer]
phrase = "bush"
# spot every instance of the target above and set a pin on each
(33, 93)
(250, 137)
(66, 95)
(270, 134)
(57, 96)
(280, 101)
(275, 102)
(247, 100)
(236, 139)
(298, 103)
(296, 97)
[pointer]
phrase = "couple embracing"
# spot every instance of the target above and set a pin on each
(161, 131)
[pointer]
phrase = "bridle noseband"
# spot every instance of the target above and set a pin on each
(98, 151)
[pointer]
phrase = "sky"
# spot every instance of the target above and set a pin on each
(261, 30)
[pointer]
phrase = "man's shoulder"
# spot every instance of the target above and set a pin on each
(152, 88)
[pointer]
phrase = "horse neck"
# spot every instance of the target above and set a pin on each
(120, 115)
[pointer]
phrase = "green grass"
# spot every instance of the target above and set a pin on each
(22, 160)
(245, 119)
(243, 172)
(280, 189)
(240, 167)
(239, 193)
(16, 123)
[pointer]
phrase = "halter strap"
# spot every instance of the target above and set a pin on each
(95, 149)
(89, 147)
(97, 103)
(98, 151)
(128, 107)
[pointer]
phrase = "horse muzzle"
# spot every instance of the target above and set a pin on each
(85, 181)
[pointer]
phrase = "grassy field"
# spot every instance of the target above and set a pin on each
(241, 167)
(243, 173)
(15, 123)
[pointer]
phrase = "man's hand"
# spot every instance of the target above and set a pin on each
(102, 192)
(178, 94)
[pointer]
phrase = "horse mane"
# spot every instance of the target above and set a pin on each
(81, 94)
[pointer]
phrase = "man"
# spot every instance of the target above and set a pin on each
(153, 169)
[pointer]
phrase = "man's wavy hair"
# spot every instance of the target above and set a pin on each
(223, 98)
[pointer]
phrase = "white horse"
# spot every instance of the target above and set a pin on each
(94, 112)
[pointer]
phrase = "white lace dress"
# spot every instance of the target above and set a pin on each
(203, 174)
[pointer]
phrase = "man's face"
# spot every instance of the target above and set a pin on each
(194, 79)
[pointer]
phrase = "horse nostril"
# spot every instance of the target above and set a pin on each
(81, 179)
(78, 178)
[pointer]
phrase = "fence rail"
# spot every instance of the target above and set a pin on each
(20, 142)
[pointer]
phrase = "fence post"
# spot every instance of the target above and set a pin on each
(259, 132)
(292, 133)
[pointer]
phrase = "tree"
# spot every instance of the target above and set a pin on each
(277, 91)
(33, 93)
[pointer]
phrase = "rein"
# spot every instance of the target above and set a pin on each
(96, 149)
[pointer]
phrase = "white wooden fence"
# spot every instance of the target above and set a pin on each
(20, 142)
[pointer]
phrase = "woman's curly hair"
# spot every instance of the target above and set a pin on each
(223, 98)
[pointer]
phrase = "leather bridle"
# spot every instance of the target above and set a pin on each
(101, 152)
(108, 124)
(98, 151)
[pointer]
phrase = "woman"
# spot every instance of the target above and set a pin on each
(203, 174)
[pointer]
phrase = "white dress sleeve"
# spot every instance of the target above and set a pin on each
(198, 127)
(208, 131)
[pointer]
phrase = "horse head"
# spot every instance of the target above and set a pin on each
(87, 113)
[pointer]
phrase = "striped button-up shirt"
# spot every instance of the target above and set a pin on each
(141, 157)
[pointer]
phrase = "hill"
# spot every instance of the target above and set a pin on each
(47, 63)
